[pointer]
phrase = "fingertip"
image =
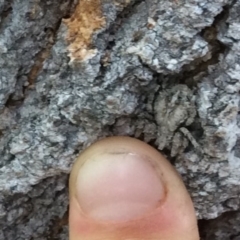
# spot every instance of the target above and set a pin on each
(122, 188)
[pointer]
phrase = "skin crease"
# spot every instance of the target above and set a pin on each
(173, 219)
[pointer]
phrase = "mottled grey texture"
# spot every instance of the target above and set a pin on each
(172, 80)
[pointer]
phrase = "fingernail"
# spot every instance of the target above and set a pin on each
(118, 187)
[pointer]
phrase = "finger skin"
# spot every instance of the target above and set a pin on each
(174, 219)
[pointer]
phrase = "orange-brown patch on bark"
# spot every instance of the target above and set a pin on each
(86, 19)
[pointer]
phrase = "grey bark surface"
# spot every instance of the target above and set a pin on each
(166, 72)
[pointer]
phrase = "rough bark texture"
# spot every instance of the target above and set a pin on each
(72, 72)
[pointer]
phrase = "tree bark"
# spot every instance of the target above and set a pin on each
(72, 72)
